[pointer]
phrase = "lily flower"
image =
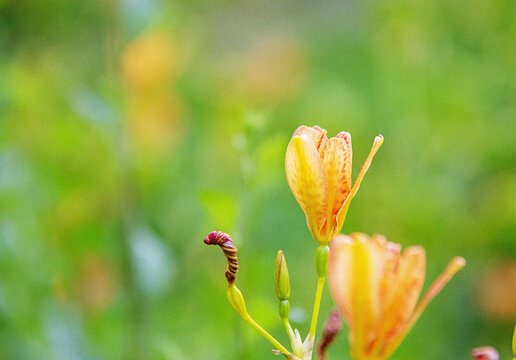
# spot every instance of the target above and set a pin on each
(319, 174)
(376, 288)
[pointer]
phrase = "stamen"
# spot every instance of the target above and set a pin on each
(453, 267)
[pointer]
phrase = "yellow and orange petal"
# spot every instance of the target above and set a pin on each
(317, 134)
(359, 264)
(306, 178)
(336, 158)
(401, 299)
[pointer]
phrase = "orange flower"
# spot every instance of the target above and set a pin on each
(376, 288)
(319, 174)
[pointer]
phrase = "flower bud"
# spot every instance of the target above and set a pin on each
(230, 252)
(331, 329)
(281, 278)
(485, 353)
(237, 301)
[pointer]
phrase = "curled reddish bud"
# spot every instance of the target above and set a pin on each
(230, 251)
(485, 353)
(331, 329)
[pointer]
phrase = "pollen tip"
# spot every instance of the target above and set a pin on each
(456, 264)
(459, 262)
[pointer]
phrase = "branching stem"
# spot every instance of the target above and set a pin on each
(268, 336)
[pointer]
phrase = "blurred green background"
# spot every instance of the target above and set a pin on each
(129, 129)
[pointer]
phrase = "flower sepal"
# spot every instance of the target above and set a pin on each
(236, 300)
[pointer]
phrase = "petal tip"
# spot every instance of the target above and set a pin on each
(415, 250)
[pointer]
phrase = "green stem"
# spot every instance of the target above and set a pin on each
(268, 336)
(291, 335)
(317, 305)
(288, 328)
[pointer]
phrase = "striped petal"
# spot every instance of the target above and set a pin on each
(307, 180)
(401, 300)
(378, 141)
(317, 134)
(391, 253)
(336, 157)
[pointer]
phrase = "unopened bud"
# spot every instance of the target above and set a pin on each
(230, 251)
(331, 329)
(281, 277)
(322, 255)
(237, 301)
(485, 353)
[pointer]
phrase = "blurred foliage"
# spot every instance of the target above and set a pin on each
(129, 129)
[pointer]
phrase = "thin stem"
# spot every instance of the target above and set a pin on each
(291, 336)
(317, 305)
(288, 328)
(268, 336)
